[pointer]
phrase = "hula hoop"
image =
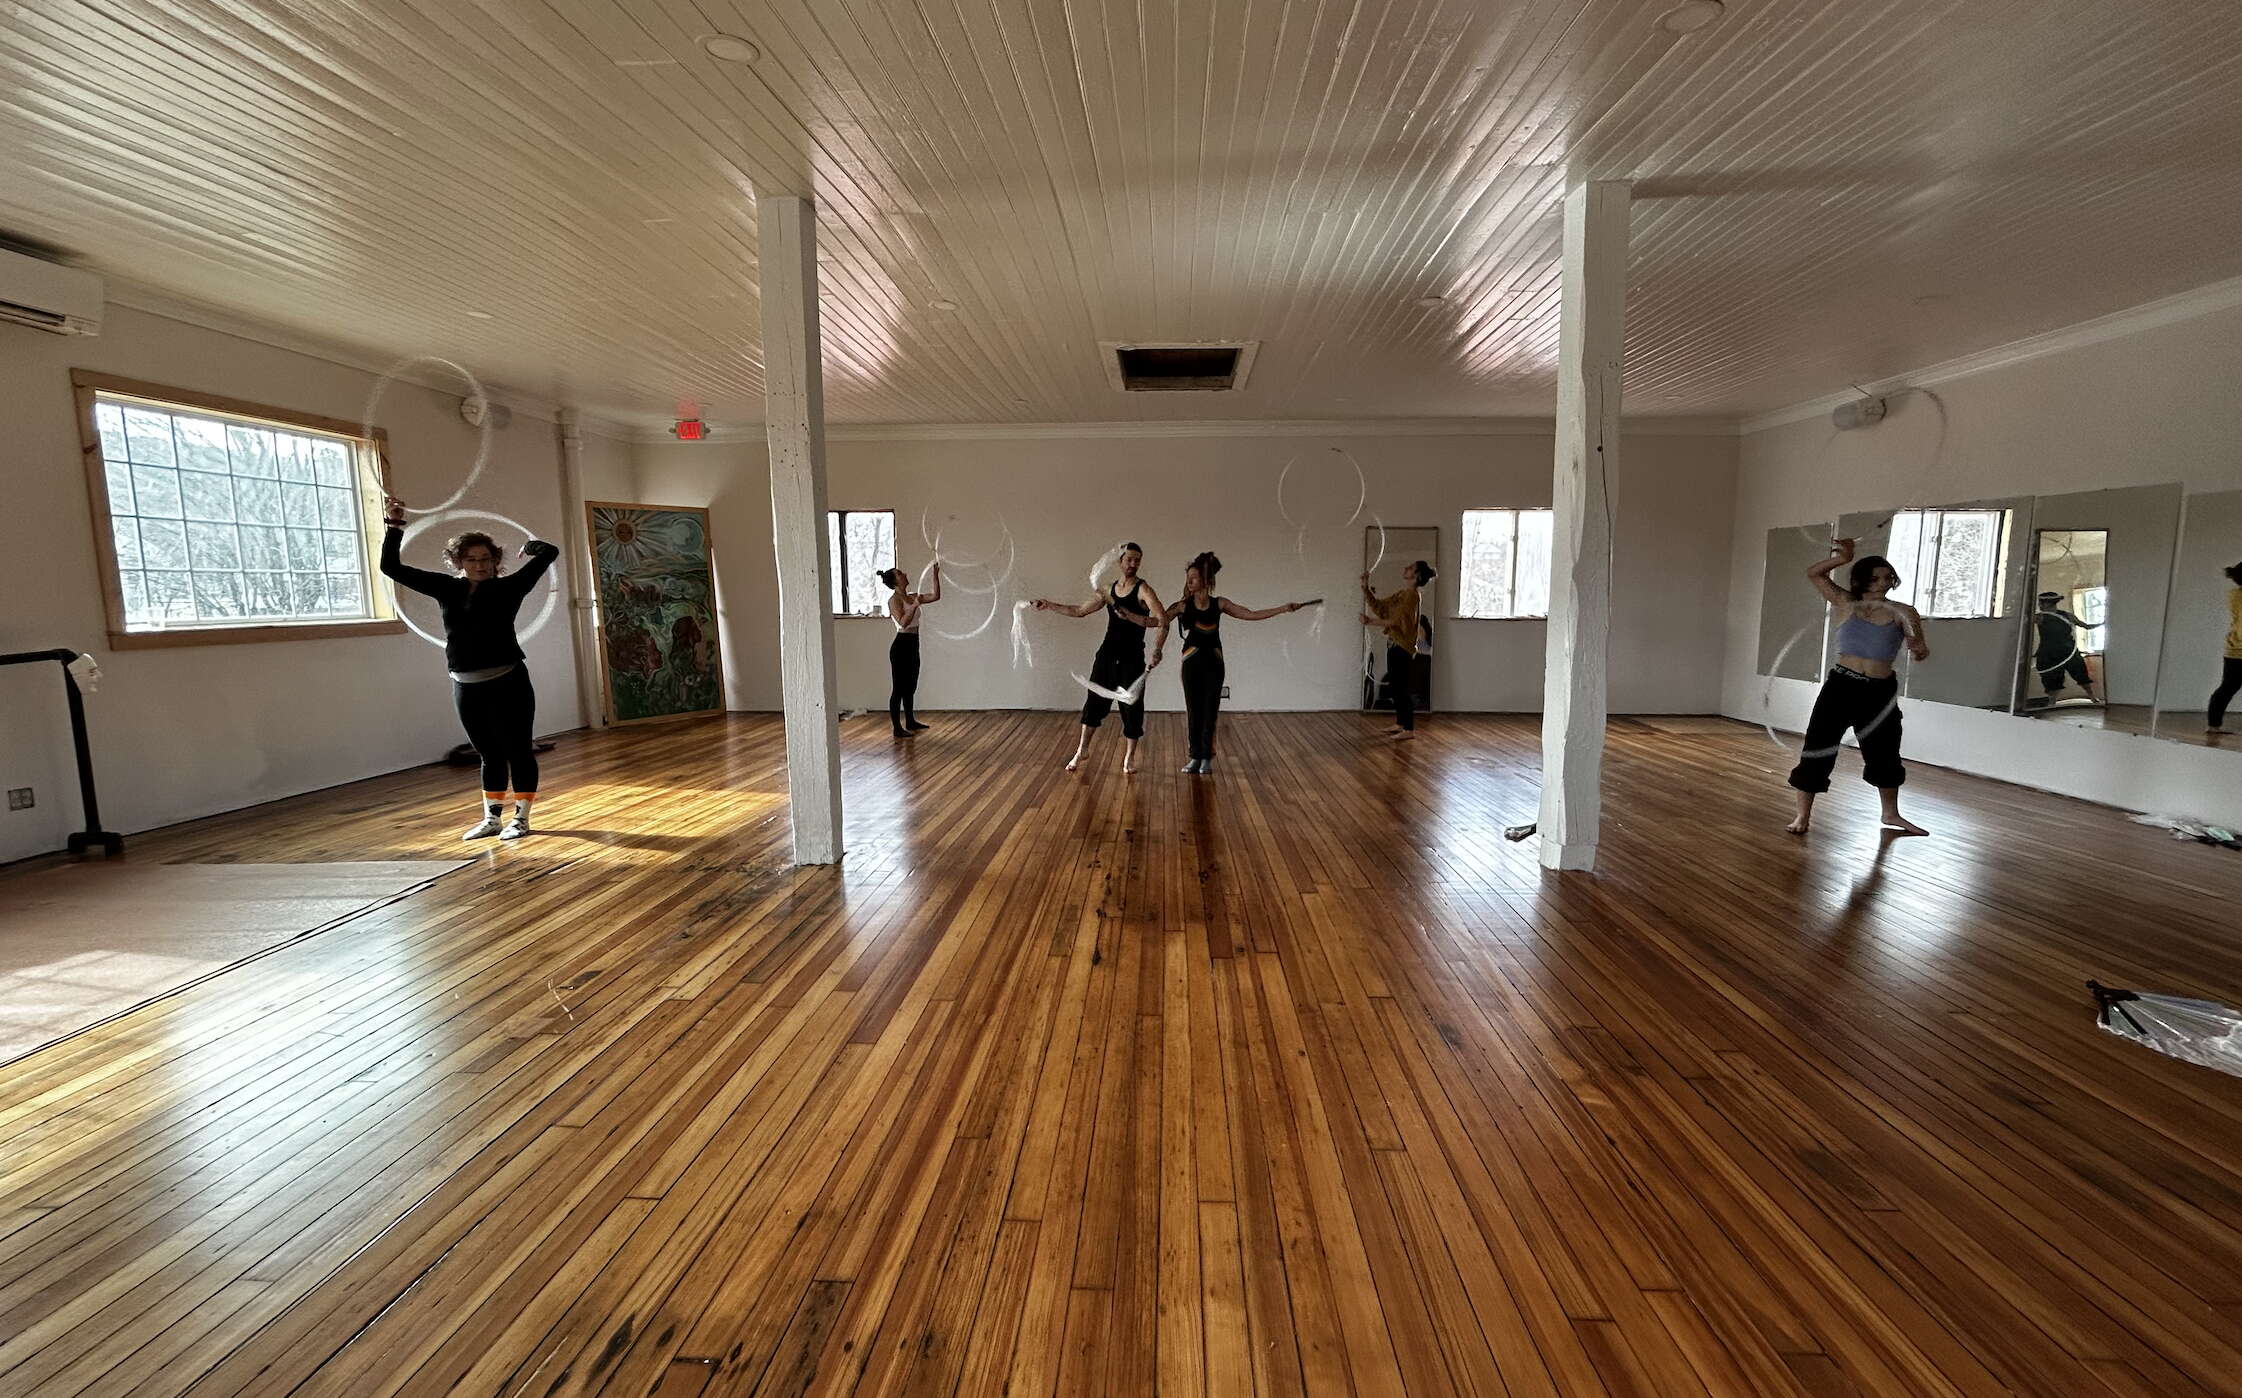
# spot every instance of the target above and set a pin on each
(536, 624)
(482, 449)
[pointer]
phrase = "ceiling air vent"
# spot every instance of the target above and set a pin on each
(1179, 366)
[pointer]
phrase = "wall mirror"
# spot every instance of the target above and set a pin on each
(1790, 611)
(2203, 625)
(1402, 546)
(1965, 567)
(2101, 574)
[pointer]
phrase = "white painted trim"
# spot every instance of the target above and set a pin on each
(1285, 427)
(2171, 310)
(158, 303)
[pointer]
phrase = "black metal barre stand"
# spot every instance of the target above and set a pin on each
(93, 834)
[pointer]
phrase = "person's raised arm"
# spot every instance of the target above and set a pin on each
(1368, 595)
(1232, 609)
(1045, 604)
(936, 594)
(1840, 554)
(539, 556)
(393, 567)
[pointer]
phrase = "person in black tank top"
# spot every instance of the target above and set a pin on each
(1199, 620)
(1131, 609)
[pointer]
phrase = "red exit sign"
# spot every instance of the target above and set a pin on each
(690, 429)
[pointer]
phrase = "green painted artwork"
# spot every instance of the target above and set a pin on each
(657, 611)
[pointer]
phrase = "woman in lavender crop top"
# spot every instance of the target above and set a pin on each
(1861, 693)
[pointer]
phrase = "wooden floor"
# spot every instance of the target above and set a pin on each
(1295, 1080)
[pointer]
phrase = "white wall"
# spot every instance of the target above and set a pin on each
(193, 730)
(2153, 407)
(1067, 499)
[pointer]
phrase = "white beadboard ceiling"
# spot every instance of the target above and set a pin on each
(1828, 190)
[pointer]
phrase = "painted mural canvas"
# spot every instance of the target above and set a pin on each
(657, 610)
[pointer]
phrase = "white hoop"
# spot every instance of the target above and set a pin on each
(537, 623)
(482, 449)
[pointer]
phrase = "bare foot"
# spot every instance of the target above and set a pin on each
(1797, 827)
(1074, 762)
(1405, 733)
(1903, 825)
(1128, 767)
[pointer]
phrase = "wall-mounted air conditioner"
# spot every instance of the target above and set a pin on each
(48, 296)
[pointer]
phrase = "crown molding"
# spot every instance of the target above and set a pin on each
(1280, 427)
(153, 302)
(2170, 310)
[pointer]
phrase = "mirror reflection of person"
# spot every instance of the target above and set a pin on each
(2230, 676)
(1861, 692)
(2056, 652)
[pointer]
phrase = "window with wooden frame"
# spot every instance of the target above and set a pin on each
(219, 522)
(862, 546)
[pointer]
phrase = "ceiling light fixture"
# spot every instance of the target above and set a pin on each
(945, 304)
(480, 315)
(1428, 302)
(1690, 16)
(729, 49)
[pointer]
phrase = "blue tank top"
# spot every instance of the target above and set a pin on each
(1870, 640)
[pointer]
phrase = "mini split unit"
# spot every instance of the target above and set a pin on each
(48, 296)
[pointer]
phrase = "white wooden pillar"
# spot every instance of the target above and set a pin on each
(794, 422)
(1590, 356)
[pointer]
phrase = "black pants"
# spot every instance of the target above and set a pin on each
(500, 716)
(1401, 678)
(1203, 674)
(2230, 680)
(1865, 705)
(1116, 668)
(903, 678)
(2053, 668)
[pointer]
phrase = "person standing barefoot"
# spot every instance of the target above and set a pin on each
(1131, 609)
(1860, 692)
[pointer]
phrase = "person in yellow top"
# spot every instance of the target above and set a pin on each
(2230, 678)
(1396, 614)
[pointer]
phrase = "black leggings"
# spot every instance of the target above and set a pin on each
(1401, 678)
(1203, 673)
(2230, 680)
(1116, 669)
(500, 715)
(903, 671)
(1868, 707)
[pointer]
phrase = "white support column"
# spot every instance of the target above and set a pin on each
(576, 574)
(1590, 356)
(794, 422)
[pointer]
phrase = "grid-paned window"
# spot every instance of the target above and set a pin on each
(224, 522)
(1505, 564)
(862, 544)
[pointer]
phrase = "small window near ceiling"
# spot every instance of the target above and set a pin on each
(1949, 561)
(221, 522)
(862, 544)
(1505, 564)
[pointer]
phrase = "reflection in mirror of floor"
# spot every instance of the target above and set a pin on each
(1294, 1079)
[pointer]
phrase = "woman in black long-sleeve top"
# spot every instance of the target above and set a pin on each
(490, 676)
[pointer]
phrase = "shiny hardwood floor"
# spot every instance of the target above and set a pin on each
(1296, 1080)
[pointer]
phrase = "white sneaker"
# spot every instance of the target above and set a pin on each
(484, 831)
(515, 828)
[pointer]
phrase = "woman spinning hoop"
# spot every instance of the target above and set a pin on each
(490, 676)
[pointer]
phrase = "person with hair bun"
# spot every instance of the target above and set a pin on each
(1860, 692)
(903, 652)
(1398, 614)
(490, 676)
(1131, 609)
(1199, 619)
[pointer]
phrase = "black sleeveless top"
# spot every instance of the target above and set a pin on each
(1202, 630)
(1122, 634)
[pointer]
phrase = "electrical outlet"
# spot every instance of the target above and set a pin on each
(20, 798)
(1226, 691)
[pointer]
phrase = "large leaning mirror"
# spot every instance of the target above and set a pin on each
(1790, 611)
(1385, 554)
(2201, 658)
(2101, 573)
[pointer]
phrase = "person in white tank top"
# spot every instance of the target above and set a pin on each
(903, 652)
